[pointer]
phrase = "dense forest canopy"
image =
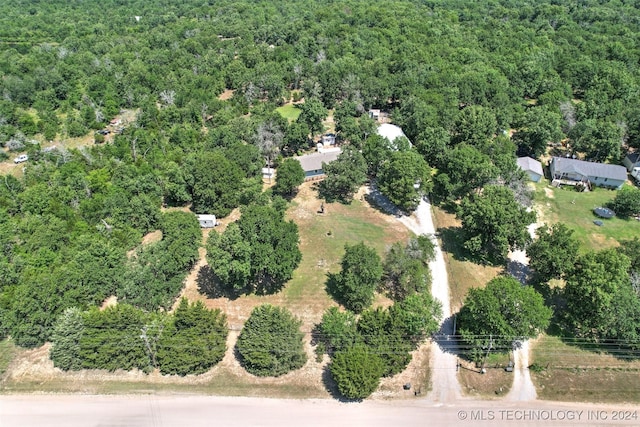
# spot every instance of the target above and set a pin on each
(452, 73)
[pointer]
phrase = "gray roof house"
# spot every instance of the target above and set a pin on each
(600, 174)
(632, 161)
(312, 163)
(532, 167)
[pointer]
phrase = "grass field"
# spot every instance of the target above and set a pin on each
(463, 274)
(576, 211)
(7, 352)
(289, 112)
(567, 372)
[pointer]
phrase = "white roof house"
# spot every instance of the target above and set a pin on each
(207, 221)
(391, 132)
(312, 163)
(532, 167)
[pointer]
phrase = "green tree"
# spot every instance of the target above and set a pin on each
(313, 113)
(626, 203)
(271, 343)
(193, 341)
(599, 140)
(494, 223)
(540, 127)
(343, 176)
(65, 351)
(216, 184)
(590, 292)
(465, 169)
(406, 270)
(338, 330)
(296, 138)
(405, 179)
(416, 317)
(502, 312)
(553, 253)
(356, 283)
(376, 151)
(259, 255)
(474, 125)
(290, 175)
(357, 371)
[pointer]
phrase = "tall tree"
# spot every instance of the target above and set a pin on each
(502, 312)
(290, 175)
(356, 283)
(271, 343)
(494, 223)
(344, 176)
(313, 113)
(405, 179)
(553, 253)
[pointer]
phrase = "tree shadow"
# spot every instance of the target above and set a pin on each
(332, 387)
(445, 338)
(519, 271)
(209, 285)
(381, 203)
(453, 243)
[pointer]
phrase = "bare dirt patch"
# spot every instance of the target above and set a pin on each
(149, 238)
(226, 95)
(495, 383)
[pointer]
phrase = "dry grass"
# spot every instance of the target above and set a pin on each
(496, 382)
(568, 372)
(463, 274)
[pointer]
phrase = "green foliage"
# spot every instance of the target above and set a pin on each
(501, 313)
(416, 317)
(378, 333)
(192, 342)
(111, 339)
(345, 175)
(65, 352)
(627, 202)
(406, 270)
(270, 343)
(592, 290)
(405, 179)
(494, 223)
(553, 253)
(290, 176)
(259, 254)
(338, 329)
(357, 371)
(376, 151)
(216, 184)
(312, 115)
(540, 127)
(355, 284)
(475, 126)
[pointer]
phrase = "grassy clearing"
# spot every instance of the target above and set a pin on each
(322, 240)
(567, 372)
(576, 211)
(463, 274)
(289, 112)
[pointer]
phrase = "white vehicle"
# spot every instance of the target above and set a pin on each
(635, 173)
(21, 158)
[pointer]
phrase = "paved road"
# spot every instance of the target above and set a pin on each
(195, 411)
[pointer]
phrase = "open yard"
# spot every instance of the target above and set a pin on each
(322, 238)
(289, 112)
(576, 211)
(567, 372)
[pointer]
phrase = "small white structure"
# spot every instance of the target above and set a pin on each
(207, 221)
(532, 167)
(328, 139)
(632, 161)
(267, 173)
(374, 114)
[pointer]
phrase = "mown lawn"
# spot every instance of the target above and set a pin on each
(564, 371)
(289, 112)
(576, 211)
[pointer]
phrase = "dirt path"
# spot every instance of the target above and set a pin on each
(522, 388)
(445, 386)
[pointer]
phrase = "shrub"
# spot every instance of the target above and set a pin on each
(270, 343)
(357, 371)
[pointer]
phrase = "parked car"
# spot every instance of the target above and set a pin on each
(104, 132)
(21, 158)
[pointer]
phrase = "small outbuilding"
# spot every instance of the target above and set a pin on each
(632, 161)
(207, 221)
(328, 139)
(532, 167)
